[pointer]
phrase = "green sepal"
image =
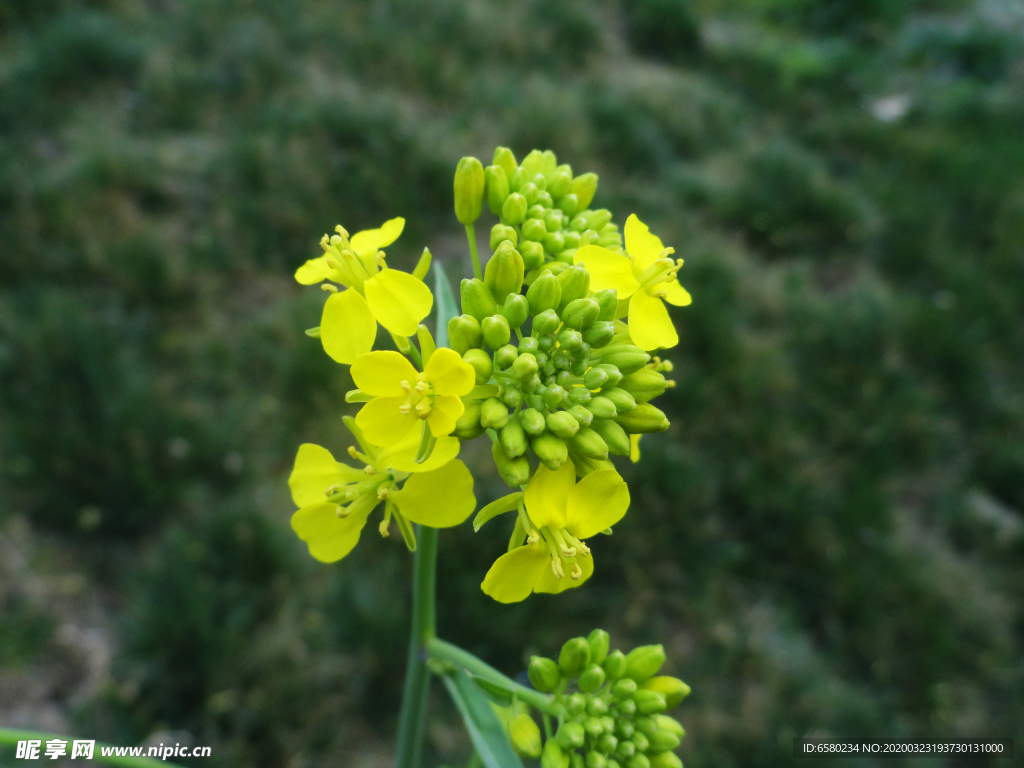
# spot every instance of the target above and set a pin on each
(357, 396)
(498, 507)
(313, 333)
(499, 694)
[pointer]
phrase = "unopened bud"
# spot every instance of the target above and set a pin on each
(614, 375)
(504, 158)
(624, 689)
(524, 367)
(544, 294)
(481, 363)
(529, 344)
(607, 744)
(495, 187)
(560, 184)
(614, 436)
(468, 426)
(579, 395)
(672, 688)
(626, 708)
(515, 472)
(645, 418)
(553, 756)
(614, 665)
(464, 333)
(599, 334)
(571, 340)
(620, 398)
(504, 273)
(596, 760)
(513, 210)
(469, 190)
(644, 661)
(569, 203)
(513, 396)
(670, 724)
(493, 414)
(591, 679)
(663, 741)
(570, 735)
(546, 322)
(499, 234)
(550, 449)
(639, 760)
(601, 407)
(580, 313)
(625, 750)
(597, 707)
(665, 760)
(513, 439)
(553, 242)
(592, 725)
(532, 253)
(516, 309)
(530, 191)
(553, 396)
(582, 415)
(534, 229)
(477, 299)
(584, 187)
(524, 735)
(589, 443)
(598, 640)
(496, 331)
(505, 356)
(644, 384)
(626, 357)
(543, 674)
(562, 424)
(575, 282)
(641, 742)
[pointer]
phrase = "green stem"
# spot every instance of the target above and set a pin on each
(11, 738)
(439, 649)
(417, 678)
(415, 355)
(471, 235)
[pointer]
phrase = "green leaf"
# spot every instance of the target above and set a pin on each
(446, 306)
(495, 508)
(484, 727)
(499, 694)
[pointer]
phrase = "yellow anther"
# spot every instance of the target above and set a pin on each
(341, 231)
(556, 568)
(348, 254)
(584, 549)
(337, 241)
(422, 387)
(577, 572)
(406, 386)
(382, 493)
(369, 470)
(332, 489)
(405, 409)
(328, 287)
(324, 242)
(383, 528)
(533, 538)
(342, 512)
(666, 253)
(353, 452)
(352, 494)
(423, 408)
(380, 258)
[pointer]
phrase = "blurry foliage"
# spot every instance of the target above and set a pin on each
(830, 537)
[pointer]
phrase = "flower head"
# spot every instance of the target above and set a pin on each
(335, 500)
(646, 277)
(395, 299)
(403, 396)
(557, 514)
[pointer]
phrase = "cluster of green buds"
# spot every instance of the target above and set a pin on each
(612, 707)
(565, 379)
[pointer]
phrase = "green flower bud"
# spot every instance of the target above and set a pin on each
(477, 299)
(481, 363)
(583, 416)
(594, 727)
(494, 414)
(553, 396)
(531, 386)
(597, 707)
(596, 760)
(468, 426)
(639, 760)
(544, 294)
(626, 357)
(646, 724)
(595, 378)
(575, 282)
(495, 187)
(496, 331)
(516, 309)
(569, 203)
(560, 184)
(624, 729)
(504, 273)
(580, 313)
(533, 163)
(614, 436)
(609, 723)
(513, 439)
(670, 724)
(550, 449)
(517, 180)
(553, 756)
(513, 396)
(553, 242)
(663, 741)
(672, 688)
(575, 704)
(524, 367)
(570, 735)
(625, 750)
(586, 442)
(614, 665)
(532, 253)
(601, 407)
(580, 395)
(640, 742)
(540, 182)
(469, 190)
(571, 340)
(596, 220)
(552, 221)
(536, 211)
(644, 384)
(649, 702)
(529, 344)
(550, 163)
(614, 375)
(532, 421)
(533, 229)
(547, 343)
(464, 333)
(644, 661)
(609, 303)
(524, 735)
(577, 761)
(620, 398)
(505, 356)
(599, 333)
(598, 641)
(607, 744)
(530, 192)
(504, 158)
(591, 679)
(546, 322)
(584, 186)
(624, 689)
(562, 424)
(645, 418)
(665, 760)
(499, 234)
(543, 674)
(515, 472)
(513, 210)
(610, 241)
(626, 707)
(574, 656)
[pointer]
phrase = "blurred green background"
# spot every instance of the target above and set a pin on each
(829, 538)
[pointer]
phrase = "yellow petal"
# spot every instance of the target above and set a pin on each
(381, 374)
(315, 470)
(634, 448)
(399, 301)
(547, 494)
(317, 270)
(347, 327)
(444, 412)
(382, 423)
(449, 373)
(369, 241)
(650, 327)
(641, 243)
(514, 574)
(440, 499)
(597, 502)
(607, 270)
(675, 293)
(547, 582)
(328, 536)
(402, 455)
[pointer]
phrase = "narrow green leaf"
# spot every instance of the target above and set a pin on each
(446, 306)
(495, 508)
(484, 727)
(499, 694)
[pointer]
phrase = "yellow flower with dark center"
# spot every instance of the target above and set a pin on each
(395, 299)
(557, 514)
(403, 396)
(645, 277)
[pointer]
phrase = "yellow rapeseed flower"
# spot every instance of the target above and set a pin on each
(402, 396)
(557, 513)
(645, 277)
(395, 299)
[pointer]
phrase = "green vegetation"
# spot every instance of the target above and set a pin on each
(828, 539)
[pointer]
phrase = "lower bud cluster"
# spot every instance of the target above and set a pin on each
(570, 384)
(613, 706)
